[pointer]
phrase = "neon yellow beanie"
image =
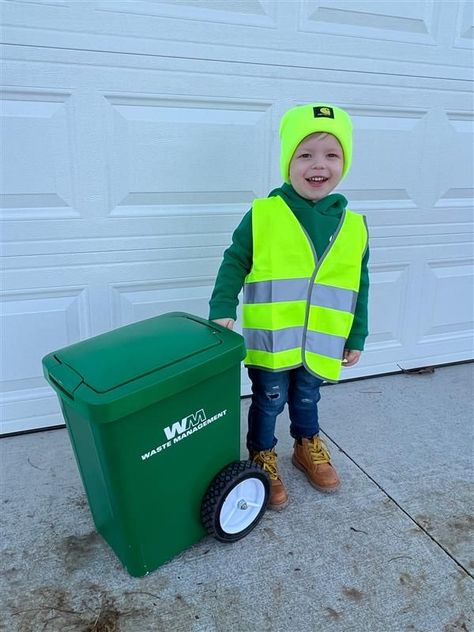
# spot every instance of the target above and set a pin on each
(304, 120)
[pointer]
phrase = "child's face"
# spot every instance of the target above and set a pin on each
(316, 166)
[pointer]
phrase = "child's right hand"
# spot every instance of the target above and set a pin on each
(225, 322)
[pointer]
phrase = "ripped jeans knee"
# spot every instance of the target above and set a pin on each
(270, 390)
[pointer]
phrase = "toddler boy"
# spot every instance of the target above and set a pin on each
(301, 258)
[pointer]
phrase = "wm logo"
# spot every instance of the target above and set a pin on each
(179, 427)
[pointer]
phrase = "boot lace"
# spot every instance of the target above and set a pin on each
(268, 462)
(318, 450)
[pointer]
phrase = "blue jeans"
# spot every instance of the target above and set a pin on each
(271, 391)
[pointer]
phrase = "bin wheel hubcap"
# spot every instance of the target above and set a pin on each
(242, 505)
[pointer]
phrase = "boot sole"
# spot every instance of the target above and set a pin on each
(325, 490)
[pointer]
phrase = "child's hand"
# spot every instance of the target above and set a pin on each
(351, 357)
(225, 322)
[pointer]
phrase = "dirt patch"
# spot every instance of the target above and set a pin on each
(459, 625)
(424, 521)
(78, 550)
(80, 502)
(353, 593)
(52, 608)
(333, 614)
(106, 621)
(412, 585)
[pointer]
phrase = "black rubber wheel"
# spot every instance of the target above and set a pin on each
(235, 501)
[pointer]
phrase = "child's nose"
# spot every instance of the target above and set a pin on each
(318, 162)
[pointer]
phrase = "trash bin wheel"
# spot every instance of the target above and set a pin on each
(235, 501)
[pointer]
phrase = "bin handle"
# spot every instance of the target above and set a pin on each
(66, 379)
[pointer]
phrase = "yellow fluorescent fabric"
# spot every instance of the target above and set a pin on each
(274, 316)
(275, 361)
(303, 120)
(275, 260)
(330, 368)
(282, 251)
(330, 321)
(342, 257)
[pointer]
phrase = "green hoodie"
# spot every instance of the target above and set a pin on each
(320, 220)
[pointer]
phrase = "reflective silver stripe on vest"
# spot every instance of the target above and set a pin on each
(333, 297)
(273, 341)
(292, 338)
(276, 291)
(325, 344)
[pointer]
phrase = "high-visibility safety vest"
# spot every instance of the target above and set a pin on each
(298, 310)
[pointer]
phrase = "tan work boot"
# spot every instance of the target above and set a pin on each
(312, 457)
(267, 460)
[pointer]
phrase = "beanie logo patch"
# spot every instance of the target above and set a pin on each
(323, 112)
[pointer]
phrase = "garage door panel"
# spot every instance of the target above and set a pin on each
(390, 221)
(265, 32)
(388, 287)
(101, 258)
(464, 31)
(163, 153)
(414, 22)
(134, 302)
(421, 318)
(388, 144)
(33, 323)
(25, 410)
(72, 247)
(442, 315)
(235, 12)
(36, 136)
(147, 162)
(458, 152)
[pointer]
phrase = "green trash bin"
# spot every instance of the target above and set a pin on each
(153, 414)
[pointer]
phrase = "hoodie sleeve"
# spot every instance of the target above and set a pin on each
(235, 266)
(360, 330)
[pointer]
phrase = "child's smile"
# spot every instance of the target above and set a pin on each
(316, 166)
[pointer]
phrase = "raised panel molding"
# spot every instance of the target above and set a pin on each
(137, 301)
(388, 287)
(465, 25)
(459, 155)
(413, 22)
(391, 38)
(38, 175)
(386, 143)
(34, 323)
(443, 315)
(44, 3)
(259, 13)
(161, 152)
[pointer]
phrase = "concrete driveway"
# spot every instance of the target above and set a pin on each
(391, 551)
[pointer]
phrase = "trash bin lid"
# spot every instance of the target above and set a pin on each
(129, 353)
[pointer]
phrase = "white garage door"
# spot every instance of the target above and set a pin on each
(137, 133)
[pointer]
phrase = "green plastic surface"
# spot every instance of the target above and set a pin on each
(129, 353)
(153, 414)
(124, 370)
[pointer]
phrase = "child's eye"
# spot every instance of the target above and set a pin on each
(333, 155)
(306, 155)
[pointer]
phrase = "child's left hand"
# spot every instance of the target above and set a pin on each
(351, 357)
